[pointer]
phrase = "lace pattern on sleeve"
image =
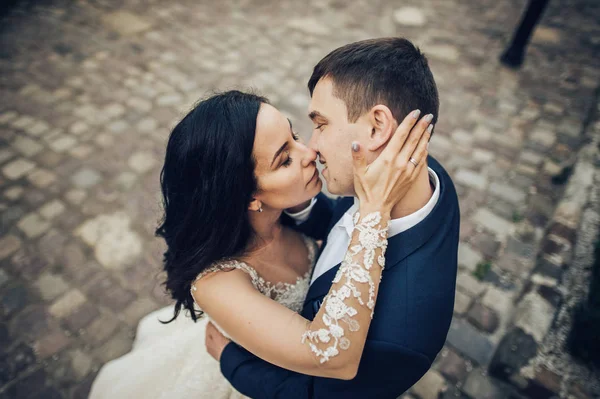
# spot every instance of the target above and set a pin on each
(355, 269)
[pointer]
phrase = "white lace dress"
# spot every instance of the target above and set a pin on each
(171, 361)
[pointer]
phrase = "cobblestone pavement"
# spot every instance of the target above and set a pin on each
(89, 90)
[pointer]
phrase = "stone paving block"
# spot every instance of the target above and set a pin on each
(483, 318)
(468, 284)
(409, 16)
(468, 257)
(430, 386)
(75, 196)
(8, 245)
(488, 220)
(17, 168)
(78, 128)
(62, 143)
(534, 315)
(126, 23)
(508, 193)
(142, 162)
(462, 302)
(50, 286)
(52, 209)
(51, 245)
(471, 179)
(470, 342)
(49, 159)
(499, 300)
(8, 116)
(5, 154)
(13, 193)
(81, 363)
(453, 366)
(51, 343)
(67, 304)
(26, 146)
(33, 225)
(82, 151)
(41, 178)
(81, 317)
(479, 385)
(22, 121)
(86, 178)
(102, 328)
(483, 156)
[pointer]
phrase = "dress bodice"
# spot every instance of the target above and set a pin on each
(290, 295)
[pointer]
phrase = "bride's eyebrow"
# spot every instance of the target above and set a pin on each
(284, 146)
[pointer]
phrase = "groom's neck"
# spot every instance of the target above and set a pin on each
(416, 198)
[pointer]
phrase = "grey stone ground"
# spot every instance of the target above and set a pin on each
(90, 89)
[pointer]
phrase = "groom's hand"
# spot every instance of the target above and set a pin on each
(215, 341)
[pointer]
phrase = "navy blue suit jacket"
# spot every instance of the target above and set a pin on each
(412, 313)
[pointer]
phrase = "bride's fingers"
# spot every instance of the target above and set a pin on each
(358, 157)
(399, 138)
(417, 134)
(420, 153)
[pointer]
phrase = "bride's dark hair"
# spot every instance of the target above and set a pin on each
(207, 182)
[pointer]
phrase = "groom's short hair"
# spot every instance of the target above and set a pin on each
(390, 71)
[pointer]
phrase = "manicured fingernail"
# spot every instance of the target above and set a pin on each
(429, 118)
(430, 128)
(416, 113)
(355, 147)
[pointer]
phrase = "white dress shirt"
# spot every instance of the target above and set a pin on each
(341, 233)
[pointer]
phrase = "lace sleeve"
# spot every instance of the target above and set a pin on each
(354, 286)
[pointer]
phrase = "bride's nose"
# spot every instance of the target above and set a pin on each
(309, 156)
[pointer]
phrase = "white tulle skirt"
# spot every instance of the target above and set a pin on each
(167, 361)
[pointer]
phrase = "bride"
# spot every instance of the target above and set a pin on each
(232, 166)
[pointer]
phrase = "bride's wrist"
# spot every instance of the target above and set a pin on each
(367, 208)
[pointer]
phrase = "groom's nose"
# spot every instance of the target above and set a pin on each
(312, 143)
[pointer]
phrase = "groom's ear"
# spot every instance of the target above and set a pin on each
(383, 124)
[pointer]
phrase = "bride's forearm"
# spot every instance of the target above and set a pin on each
(338, 333)
(329, 346)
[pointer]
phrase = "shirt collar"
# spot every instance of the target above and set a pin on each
(404, 223)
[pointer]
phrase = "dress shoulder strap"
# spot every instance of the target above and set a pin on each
(228, 265)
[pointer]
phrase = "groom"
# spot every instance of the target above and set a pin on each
(360, 92)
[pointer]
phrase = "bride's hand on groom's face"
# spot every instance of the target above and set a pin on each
(215, 341)
(389, 177)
